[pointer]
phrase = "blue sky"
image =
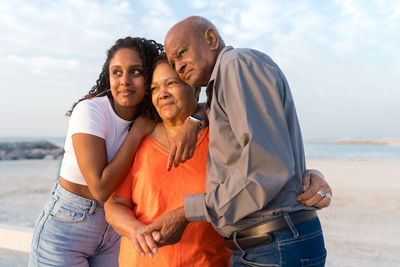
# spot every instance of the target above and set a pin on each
(340, 57)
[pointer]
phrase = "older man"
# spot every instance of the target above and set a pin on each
(256, 158)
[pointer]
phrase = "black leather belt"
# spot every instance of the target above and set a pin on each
(260, 234)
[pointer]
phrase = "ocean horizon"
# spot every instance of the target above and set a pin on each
(314, 149)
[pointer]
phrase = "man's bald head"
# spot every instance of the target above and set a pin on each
(194, 25)
(192, 46)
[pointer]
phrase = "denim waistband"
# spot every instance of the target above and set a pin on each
(78, 201)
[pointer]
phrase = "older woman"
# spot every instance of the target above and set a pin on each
(149, 191)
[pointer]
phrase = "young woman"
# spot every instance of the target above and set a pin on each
(99, 150)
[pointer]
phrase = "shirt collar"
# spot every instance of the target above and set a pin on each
(209, 88)
(217, 62)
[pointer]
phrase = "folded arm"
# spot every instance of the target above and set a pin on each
(119, 214)
(103, 177)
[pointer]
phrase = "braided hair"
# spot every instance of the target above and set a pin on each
(148, 51)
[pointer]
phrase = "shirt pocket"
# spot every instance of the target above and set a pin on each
(67, 213)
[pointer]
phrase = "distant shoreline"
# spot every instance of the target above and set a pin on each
(383, 141)
(59, 140)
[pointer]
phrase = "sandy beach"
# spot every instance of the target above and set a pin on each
(361, 226)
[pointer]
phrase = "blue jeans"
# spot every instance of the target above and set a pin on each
(300, 245)
(72, 231)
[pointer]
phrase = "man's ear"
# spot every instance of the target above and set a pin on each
(211, 37)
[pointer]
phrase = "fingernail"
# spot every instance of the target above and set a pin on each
(154, 250)
(169, 168)
(150, 255)
(142, 254)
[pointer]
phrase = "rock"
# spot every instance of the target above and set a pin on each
(30, 150)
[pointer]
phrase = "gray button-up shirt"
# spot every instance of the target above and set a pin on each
(256, 158)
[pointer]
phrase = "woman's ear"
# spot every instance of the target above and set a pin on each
(211, 37)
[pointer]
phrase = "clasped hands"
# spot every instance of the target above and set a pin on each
(166, 230)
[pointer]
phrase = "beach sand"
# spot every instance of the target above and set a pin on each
(361, 227)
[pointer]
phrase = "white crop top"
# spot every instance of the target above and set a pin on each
(96, 117)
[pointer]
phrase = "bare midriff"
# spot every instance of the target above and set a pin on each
(77, 189)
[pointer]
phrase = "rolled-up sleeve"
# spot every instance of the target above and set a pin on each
(252, 94)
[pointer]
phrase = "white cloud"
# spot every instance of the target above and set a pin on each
(199, 4)
(158, 8)
(79, 28)
(43, 65)
(258, 17)
(328, 50)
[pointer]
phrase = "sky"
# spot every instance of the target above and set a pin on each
(341, 58)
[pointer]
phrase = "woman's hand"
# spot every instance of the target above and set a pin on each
(183, 145)
(120, 215)
(142, 126)
(316, 191)
(144, 243)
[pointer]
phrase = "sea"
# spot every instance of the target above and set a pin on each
(25, 185)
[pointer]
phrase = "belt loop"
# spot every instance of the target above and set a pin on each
(93, 207)
(237, 244)
(291, 225)
(242, 259)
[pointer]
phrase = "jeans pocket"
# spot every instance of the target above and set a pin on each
(316, 261)
(266, 255)
(67, 213)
